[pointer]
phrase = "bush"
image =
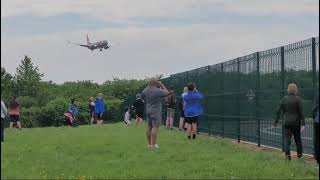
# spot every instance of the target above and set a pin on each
(114, 111)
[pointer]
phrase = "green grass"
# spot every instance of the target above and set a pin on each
(116, 151)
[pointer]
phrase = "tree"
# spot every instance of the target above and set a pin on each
(27, 78)
(7, 84)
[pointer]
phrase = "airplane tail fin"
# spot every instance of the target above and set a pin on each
(88, 41)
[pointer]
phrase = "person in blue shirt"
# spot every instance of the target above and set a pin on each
(315, 114)
(192, 109)
(73, 109)
(99, 109)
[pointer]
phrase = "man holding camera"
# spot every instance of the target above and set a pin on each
(153, 95)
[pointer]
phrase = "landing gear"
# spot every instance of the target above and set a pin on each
(100, 49)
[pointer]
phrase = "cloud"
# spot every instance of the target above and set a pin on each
(142, 51)
(122, 10)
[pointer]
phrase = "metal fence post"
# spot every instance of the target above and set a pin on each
(314, 71)
(238, 99)
(282, 91)
(257, 98)
(208, 123)
(222, 87)
(314, 64)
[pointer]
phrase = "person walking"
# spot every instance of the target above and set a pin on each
(192, 109)
(294, 123)
(138, 107)
(153, 95)
(14, 112)
(4, 112)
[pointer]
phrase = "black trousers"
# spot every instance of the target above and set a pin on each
(316, 141)
(2, 129)
(295, 131)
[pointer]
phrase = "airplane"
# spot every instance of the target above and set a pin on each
(104, 44)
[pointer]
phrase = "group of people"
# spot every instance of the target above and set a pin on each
(190, 109)
(152, 99)
(96, 109)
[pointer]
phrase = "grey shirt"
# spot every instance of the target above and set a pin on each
(153, 97)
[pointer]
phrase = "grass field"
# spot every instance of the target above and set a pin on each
(116, 151)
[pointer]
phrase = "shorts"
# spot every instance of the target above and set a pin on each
(170, 112)
(182, 114)
(154, 120)
(99, 116)
(191, 120)
(14, 118)
(139, 114)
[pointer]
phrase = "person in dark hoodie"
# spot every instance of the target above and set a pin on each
(315, 115)
(294, 123)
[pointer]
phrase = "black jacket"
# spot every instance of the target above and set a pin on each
(291, 107)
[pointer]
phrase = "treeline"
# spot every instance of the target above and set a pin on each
(44, 102)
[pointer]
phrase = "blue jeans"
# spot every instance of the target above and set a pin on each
(2, 129)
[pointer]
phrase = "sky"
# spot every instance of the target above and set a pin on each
(148, 37)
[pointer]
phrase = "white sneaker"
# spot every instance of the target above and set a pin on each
(156, 146)
(149, 146)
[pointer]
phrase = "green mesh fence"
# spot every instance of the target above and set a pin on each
(242, 95)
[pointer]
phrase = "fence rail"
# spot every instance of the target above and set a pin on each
(242, 95)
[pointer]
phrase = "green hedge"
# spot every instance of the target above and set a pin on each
(52, 113)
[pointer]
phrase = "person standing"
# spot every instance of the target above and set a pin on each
(92, 110)
(14, 112)
(4, 112)
(192, 109)
(127, 116)
(181, 108)
(73, 109)
(153, 95)
(138, 106)
(294, 123)
(315, 115)
(171, 103)
(99, 109)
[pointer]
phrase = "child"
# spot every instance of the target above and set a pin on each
(127, 116)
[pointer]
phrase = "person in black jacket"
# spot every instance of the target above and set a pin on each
(294, 123)
(139, 109)
(315, 115)
(170, 103)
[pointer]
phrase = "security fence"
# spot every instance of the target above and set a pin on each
(242, 95)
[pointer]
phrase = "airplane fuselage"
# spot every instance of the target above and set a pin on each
(99, 45)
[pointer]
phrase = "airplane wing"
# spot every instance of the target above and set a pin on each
(83, 45)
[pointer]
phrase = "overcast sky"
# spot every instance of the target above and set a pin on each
(149, 37)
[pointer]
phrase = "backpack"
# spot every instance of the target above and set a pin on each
(172, 100)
